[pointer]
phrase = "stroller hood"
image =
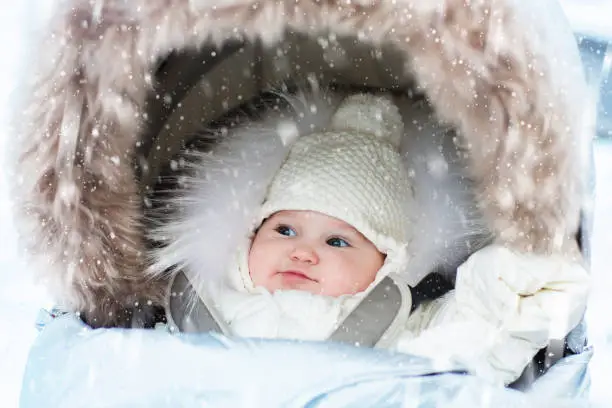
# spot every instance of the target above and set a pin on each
(505, 74)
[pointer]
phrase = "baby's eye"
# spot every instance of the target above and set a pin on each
(338, 242)
(285, 230)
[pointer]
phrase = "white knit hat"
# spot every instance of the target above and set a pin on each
(353, 171)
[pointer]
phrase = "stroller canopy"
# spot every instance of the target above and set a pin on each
(117, 86)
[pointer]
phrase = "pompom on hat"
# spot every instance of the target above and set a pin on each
(352, 171)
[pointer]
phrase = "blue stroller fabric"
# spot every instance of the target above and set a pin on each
(72, 365)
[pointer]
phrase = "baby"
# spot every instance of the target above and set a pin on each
(337, 220)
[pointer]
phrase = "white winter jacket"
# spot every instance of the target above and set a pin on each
(505, 307)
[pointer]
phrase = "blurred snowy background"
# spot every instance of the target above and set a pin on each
(20, 299)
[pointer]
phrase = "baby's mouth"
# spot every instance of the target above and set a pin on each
(296, 275)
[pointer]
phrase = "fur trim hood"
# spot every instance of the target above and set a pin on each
(501, 72)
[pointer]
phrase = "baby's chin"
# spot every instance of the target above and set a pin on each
(288, 281)
(314, 288)
(298, 282)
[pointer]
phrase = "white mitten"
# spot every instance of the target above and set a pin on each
(505, 307)
(533, 297)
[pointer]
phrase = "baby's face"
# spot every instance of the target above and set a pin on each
(310, 251)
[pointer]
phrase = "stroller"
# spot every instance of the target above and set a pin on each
(121, 88)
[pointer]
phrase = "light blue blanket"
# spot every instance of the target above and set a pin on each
(71, 365)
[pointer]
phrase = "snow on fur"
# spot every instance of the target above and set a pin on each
(485, 65)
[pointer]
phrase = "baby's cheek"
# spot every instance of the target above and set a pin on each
(355, 281)
(255, 265)
(362, 284)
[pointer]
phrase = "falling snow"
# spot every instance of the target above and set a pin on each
(21, 299)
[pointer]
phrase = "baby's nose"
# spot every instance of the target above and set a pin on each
(305, 253)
